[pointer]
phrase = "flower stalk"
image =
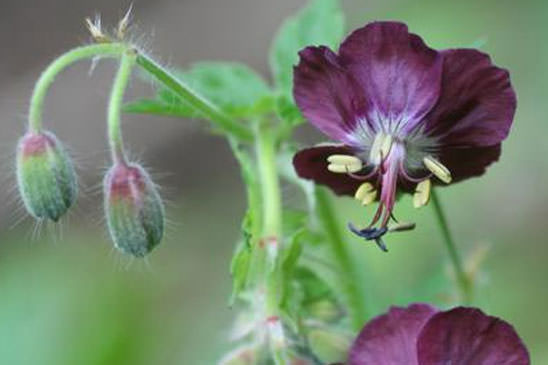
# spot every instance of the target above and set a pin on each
(354, 297)
(463, 280)
(209, 111)
(57, 66)
(127, 60)
(271, 234)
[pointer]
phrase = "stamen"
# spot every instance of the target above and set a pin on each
(367, 176)
(343, 169)
(342, 164)
(381, 148)
(437, 168)
(401, 227)
(369, 197)
(362, 191)
(366, 193)
(415, 180)
(344, 160)
(422, 193)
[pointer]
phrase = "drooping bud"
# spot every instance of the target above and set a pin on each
(134, 209)
(45, 176)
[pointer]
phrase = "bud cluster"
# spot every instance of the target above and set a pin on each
(46, 177)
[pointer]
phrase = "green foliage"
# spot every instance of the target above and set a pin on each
(239, 267)
(236, 89)
(319, 23)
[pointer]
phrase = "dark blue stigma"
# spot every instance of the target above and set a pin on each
(371, 234)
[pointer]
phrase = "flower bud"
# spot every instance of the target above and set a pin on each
(45, 176)
(134, 209)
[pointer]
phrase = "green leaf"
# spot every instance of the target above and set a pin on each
(290, 116)
(319, 23)
(235, 88)
(239, 268)
(241, 260)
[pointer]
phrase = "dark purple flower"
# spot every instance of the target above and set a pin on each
(405, 116)
(422, 335)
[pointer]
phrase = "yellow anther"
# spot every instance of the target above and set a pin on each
(344, 160)
(343, 169)
(422, 193)
(382, 144)
(363, 190)
(402, 226)
(342, 164)
(437, 168)
(369, 197)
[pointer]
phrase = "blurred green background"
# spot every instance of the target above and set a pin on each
(68, 298)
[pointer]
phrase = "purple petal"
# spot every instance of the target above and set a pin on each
(477, 102)
(468, 161)
(391, 339)
(311, 163)
(466, 336)
(327, 95)
(399, 74)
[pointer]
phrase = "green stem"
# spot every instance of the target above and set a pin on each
(354, 297)
(127, 60)
(268, 172)
(271, 227)
(48, 76)
(272, 213)
(189, 96)
(462, 279)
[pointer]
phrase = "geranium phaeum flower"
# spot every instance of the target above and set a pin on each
(422, 335)
(405, 116)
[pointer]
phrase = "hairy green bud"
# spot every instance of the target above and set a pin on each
(133, 208)
(45, 176)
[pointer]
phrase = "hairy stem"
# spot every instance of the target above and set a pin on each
(354, 297)
(50, 73)
(121, 81)
(209, 111)
(462, 279)
(271, 227)
(268, 171)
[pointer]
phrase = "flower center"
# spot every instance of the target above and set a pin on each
(381, 168)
